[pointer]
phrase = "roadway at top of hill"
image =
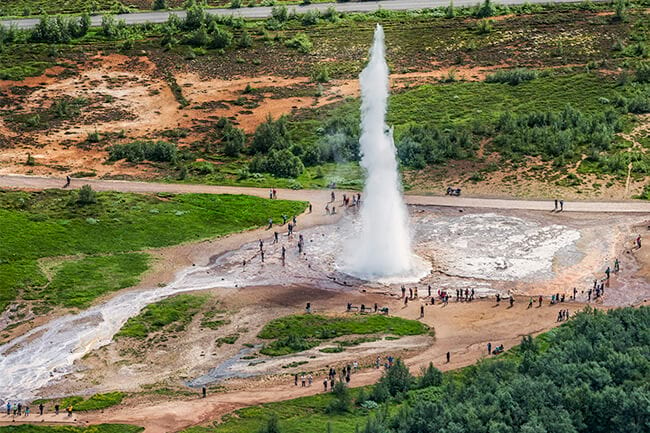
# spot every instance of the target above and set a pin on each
(265, 11)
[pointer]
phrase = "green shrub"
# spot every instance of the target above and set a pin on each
(642, 73)
(484, 27)
(321, 74)
(280, 13)
(86, 196)
(233, 140)
(431, 376)
(342, 399)
(486, 9)
(159, 5)
(138, 151)
(512, 76)
(300, 42)
(279, 163)
(220, 38)
(245, 40)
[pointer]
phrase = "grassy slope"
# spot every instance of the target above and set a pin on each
(177, 311)
(49, 224)
(300, 332)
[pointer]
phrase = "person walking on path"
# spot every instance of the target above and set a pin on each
(67, 182)
(309, 207)
(555, 208)
(540, 301)
(40, 409)
(421, 311)
(448, 357)
(561, 205)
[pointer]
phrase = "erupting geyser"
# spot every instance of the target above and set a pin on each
(383, 248)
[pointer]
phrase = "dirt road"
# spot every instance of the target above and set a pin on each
(321, 196)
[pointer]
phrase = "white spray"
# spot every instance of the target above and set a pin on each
(383, 248)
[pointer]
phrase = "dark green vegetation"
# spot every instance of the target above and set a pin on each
(589, 375)
(301, 332)
(81, 404)
(173, 313)
(104, 228)
(101, 428)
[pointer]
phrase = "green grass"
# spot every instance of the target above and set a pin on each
(101, 428)
(81, 404)
(77, 283)
(466, 102)
(173, 313)
(302, 415)
(50, 223)
(301, 332)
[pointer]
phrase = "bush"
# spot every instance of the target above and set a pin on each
(59, 30)
(158, 5)
(280, 13)
(272, 134)
(198, 38)
(111, 28)
(300, 42)
(271, 425)
(235, 4)
(512, 76)
(86, 196)
(342, 399)
(233, 140)
(245, 40)
(487, 9)
(484, 27)
(430, 377)
(642, 73)
(220, 38)
(195, 17)
(398, 378)
(138, 151)
(280, 163)
(321, 74)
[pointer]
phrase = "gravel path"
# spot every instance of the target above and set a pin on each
(317, 197)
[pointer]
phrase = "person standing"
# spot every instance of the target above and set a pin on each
(555, 208)
(448, 357)
(204, 392)
(421, 311)
(561, 205)
(489, 348)
(40, 409)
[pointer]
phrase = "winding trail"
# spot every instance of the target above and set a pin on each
(322, 196)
